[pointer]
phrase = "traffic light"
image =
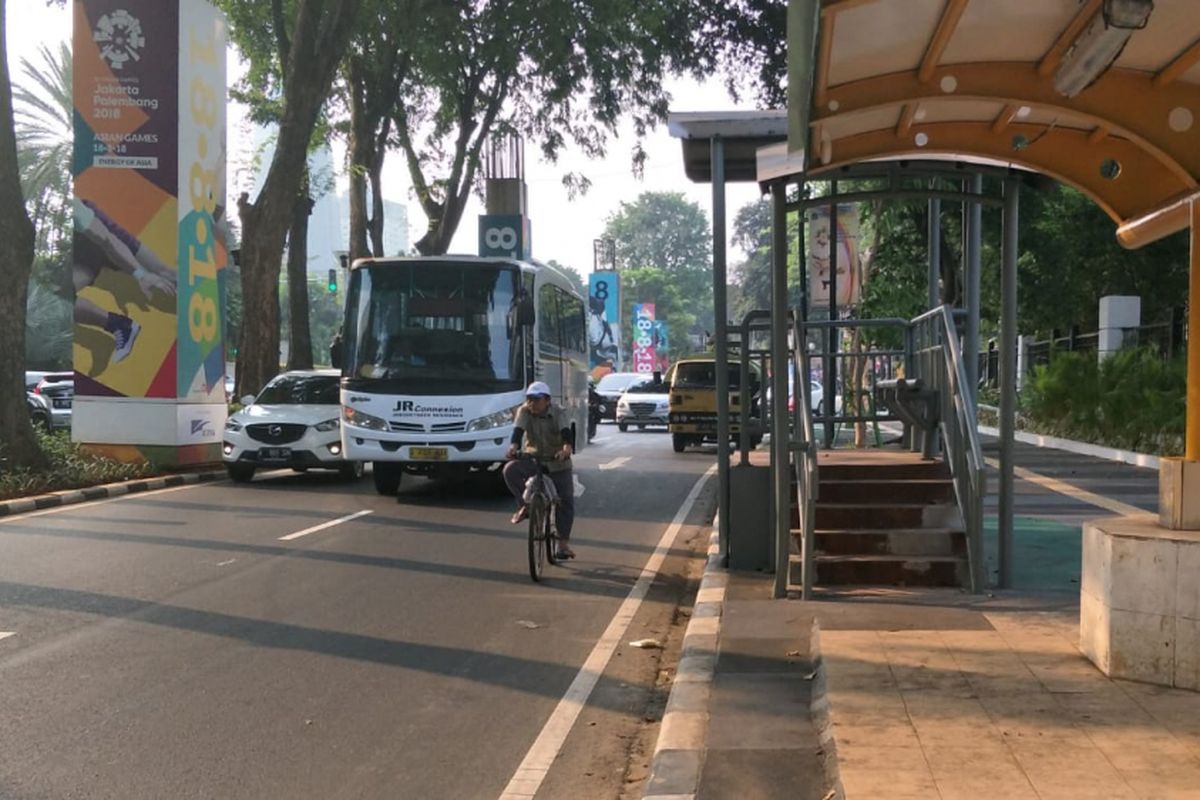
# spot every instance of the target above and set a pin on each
(332, 285)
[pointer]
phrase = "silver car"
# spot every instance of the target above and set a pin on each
(643, 403)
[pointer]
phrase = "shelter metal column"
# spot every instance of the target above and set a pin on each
(935, 251)
(1192, 446)
(829, 394)
(780, 461)
(1008, 374)
(721, 336)
(974, 246)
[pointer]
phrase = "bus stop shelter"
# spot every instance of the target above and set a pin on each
(1100, 95)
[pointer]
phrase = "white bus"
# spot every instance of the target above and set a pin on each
(437, 354)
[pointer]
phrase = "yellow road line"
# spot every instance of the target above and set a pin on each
(1072, 491)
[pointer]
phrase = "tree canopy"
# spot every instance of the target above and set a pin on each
(664, 252)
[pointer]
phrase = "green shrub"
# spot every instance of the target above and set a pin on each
(70, 468)
(1134, 400)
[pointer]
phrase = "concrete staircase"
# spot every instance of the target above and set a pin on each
(885, 517)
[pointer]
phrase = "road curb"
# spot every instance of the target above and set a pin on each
(69, 497)
(679, 751)
(1130, 457)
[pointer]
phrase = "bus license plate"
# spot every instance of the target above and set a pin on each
(274, 455)
(428, 453)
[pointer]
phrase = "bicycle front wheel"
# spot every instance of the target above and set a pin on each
(538, 520)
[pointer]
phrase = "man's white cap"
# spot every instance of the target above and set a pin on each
(536, 388)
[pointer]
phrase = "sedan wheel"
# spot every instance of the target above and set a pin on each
(351, 470)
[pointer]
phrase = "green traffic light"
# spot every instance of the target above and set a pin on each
(332, 285)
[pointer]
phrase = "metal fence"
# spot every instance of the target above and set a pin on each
(1167, 337)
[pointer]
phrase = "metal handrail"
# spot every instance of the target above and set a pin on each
(804, 445)
(937, 335)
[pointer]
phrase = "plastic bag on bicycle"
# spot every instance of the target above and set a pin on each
(547, 485)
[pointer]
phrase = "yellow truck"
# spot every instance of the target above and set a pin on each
(692, 404)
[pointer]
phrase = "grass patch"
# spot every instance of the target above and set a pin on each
(70, 468)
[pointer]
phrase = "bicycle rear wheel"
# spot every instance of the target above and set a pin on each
(551, 536)
(538, 518)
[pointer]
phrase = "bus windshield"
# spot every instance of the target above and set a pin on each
(433, 327)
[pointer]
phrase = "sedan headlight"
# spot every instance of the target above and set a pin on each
(662, 405)
(622, 405)
(496, 420)
(361, 420)
(232, 424)
(327, 425)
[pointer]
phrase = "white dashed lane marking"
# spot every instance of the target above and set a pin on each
(324, 525)
(6, 634)
(616, 463)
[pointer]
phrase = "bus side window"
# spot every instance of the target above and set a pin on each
(547, 319)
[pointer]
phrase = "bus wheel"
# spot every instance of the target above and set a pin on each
(387, 477)
(678, 441)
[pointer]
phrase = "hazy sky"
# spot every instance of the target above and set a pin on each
(562, 228)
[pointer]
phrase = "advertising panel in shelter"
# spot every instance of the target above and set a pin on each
(849, 265)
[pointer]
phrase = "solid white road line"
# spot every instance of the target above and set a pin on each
(616, 463)
(1072, 491)
(528, 778)
(324, 525)
(6, 634)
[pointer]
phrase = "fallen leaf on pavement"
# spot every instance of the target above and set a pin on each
(525, 623)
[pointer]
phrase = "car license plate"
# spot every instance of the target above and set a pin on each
(428, 453)
(274, 454)
(62, 402)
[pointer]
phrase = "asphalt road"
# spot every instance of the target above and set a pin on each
(175, 645)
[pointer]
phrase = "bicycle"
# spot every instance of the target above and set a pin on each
(542, 505)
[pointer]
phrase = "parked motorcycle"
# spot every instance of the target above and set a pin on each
(595, 411)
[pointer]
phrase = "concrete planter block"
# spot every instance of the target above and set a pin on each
(1139, 602)
(1179, 494)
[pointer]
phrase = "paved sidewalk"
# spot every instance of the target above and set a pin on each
(897, 693)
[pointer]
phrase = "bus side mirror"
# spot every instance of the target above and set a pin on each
(525, 312)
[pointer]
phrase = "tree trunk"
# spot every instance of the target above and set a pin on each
(375, 226)
(319, 39)
(861, 363)
(300, 352)
(360, 150)
(18, 445)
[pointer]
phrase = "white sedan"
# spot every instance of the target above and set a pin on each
(643, 403)
(294, 422)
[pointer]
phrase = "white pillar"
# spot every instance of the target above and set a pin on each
(1117, 313)
(1022, 361)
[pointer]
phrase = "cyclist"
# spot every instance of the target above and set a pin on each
(540, 431)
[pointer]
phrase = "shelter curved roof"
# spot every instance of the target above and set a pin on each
(992, 79)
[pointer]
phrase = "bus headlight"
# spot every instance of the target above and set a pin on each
(497, 420)
(360, 420)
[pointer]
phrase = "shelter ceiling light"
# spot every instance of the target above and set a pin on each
(1100, 44)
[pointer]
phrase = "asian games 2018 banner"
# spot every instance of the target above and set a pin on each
(604, 294)
(644, 350)
(126, 179)
(149, 261)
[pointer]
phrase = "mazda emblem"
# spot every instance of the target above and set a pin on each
(275, 430)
